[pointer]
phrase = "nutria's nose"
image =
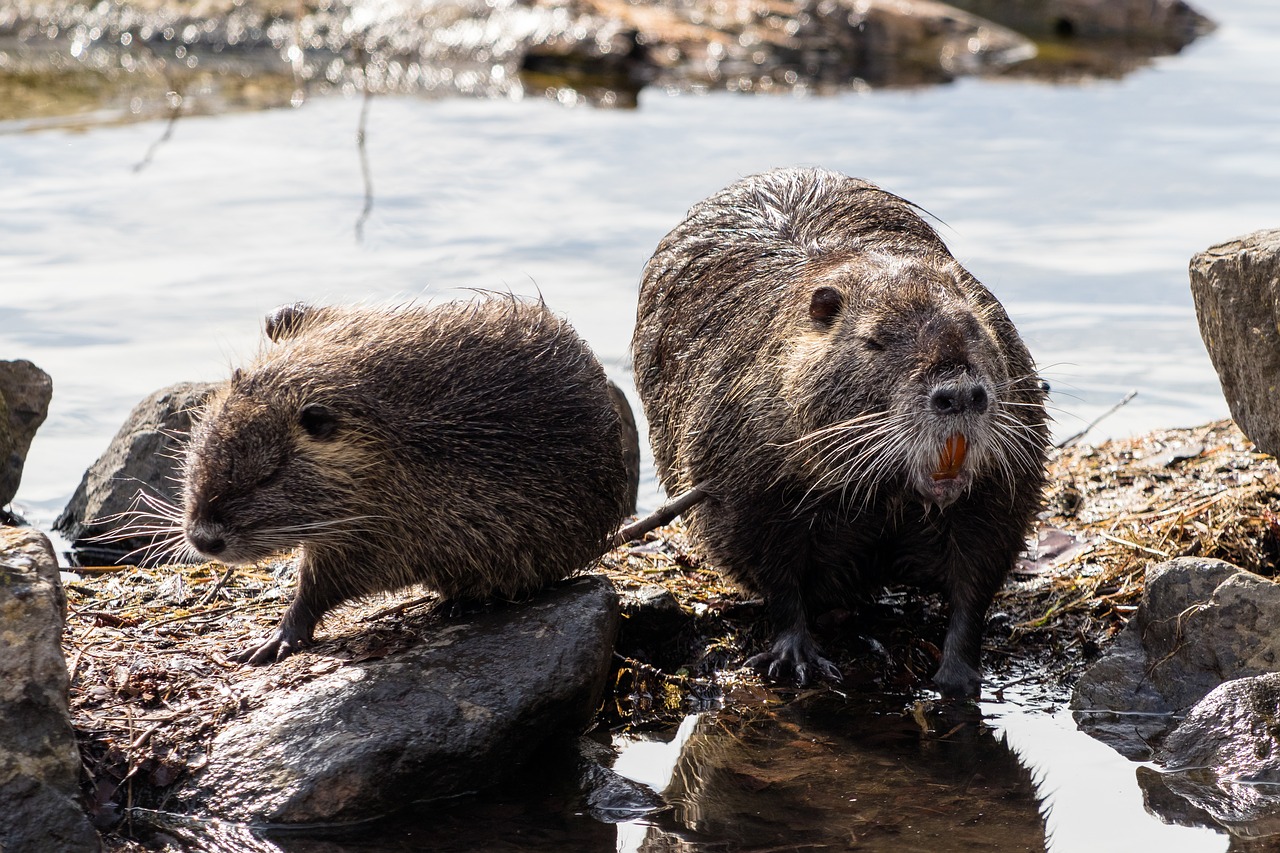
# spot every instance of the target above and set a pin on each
(959, 399)
(209, 543)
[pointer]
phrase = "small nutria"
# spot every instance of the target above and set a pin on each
(471, 447)
(857, 406)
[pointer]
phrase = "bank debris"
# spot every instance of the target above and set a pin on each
(152, 682)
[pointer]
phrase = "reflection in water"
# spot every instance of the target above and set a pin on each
(832, 772)
(1199, 798)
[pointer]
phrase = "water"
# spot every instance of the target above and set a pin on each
(1079, 206)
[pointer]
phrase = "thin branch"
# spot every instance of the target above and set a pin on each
(361, 137)
(1071, 442)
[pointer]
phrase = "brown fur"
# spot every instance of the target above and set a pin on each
(471, 447)
(805, 344)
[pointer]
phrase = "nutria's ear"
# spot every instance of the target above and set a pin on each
(825, 304)
(319, 422)
(285, 321)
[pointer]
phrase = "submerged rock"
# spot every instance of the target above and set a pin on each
(1236, 286)
(25, 392)
(1200, 623)
(105, 518)
(452, 715)
(39, 761)
(1222, 763)
(1234, 731)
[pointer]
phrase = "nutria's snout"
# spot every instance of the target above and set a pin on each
(209, 539)
(959, 398)
(960, 411)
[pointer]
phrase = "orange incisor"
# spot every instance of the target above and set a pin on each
(952, 459)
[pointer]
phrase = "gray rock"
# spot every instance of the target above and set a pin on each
(25, 391)
(610, 797)
(654, 625)
(1169, 21)
(39, 760)
(1236, 286)
(144, 458)
(447, 717)
(1234, 731)
(1220, 760)
(1200, 623)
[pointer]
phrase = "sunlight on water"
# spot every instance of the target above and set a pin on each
(1079, 206)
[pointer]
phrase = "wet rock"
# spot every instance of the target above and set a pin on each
(1234, 731)
(1198, 798)
(39, 760)
(144, 459)
(452, 715)
(25, 391)
(1220, 762)
(1236, 286)
(1200, 623)
(602, 51)
(742, 45)
(1169, 21)
(610, 797)
(655, 628)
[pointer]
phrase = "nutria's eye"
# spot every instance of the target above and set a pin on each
(871, 344)
(825, 304)
(319, 422)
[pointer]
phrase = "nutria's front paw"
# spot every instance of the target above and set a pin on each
(794, 657)
(957, 680)
(277, 648)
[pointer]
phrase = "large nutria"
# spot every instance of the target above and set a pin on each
(471, 447)
(857, 406)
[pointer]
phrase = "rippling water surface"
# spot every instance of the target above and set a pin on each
(1078, 205)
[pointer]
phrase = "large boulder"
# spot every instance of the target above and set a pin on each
(121, 502)
(452, 715)
(1236, 286)
(1200, 623)
(25, 391)
(39, 760)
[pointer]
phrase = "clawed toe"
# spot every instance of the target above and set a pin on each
(275, 649)
(784, 667)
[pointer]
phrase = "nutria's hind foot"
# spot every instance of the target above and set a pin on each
(794, 657)
(280, 645)
(956, 679)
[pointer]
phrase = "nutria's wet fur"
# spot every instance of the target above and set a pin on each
(471, 447)
(805, 346)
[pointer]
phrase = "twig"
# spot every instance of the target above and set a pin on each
(217, 587)
(361, 137)
(1070, 442)
(662, 516)
(175, 112)
(1162, 554)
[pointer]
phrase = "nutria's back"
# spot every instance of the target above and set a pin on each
(470, 446)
